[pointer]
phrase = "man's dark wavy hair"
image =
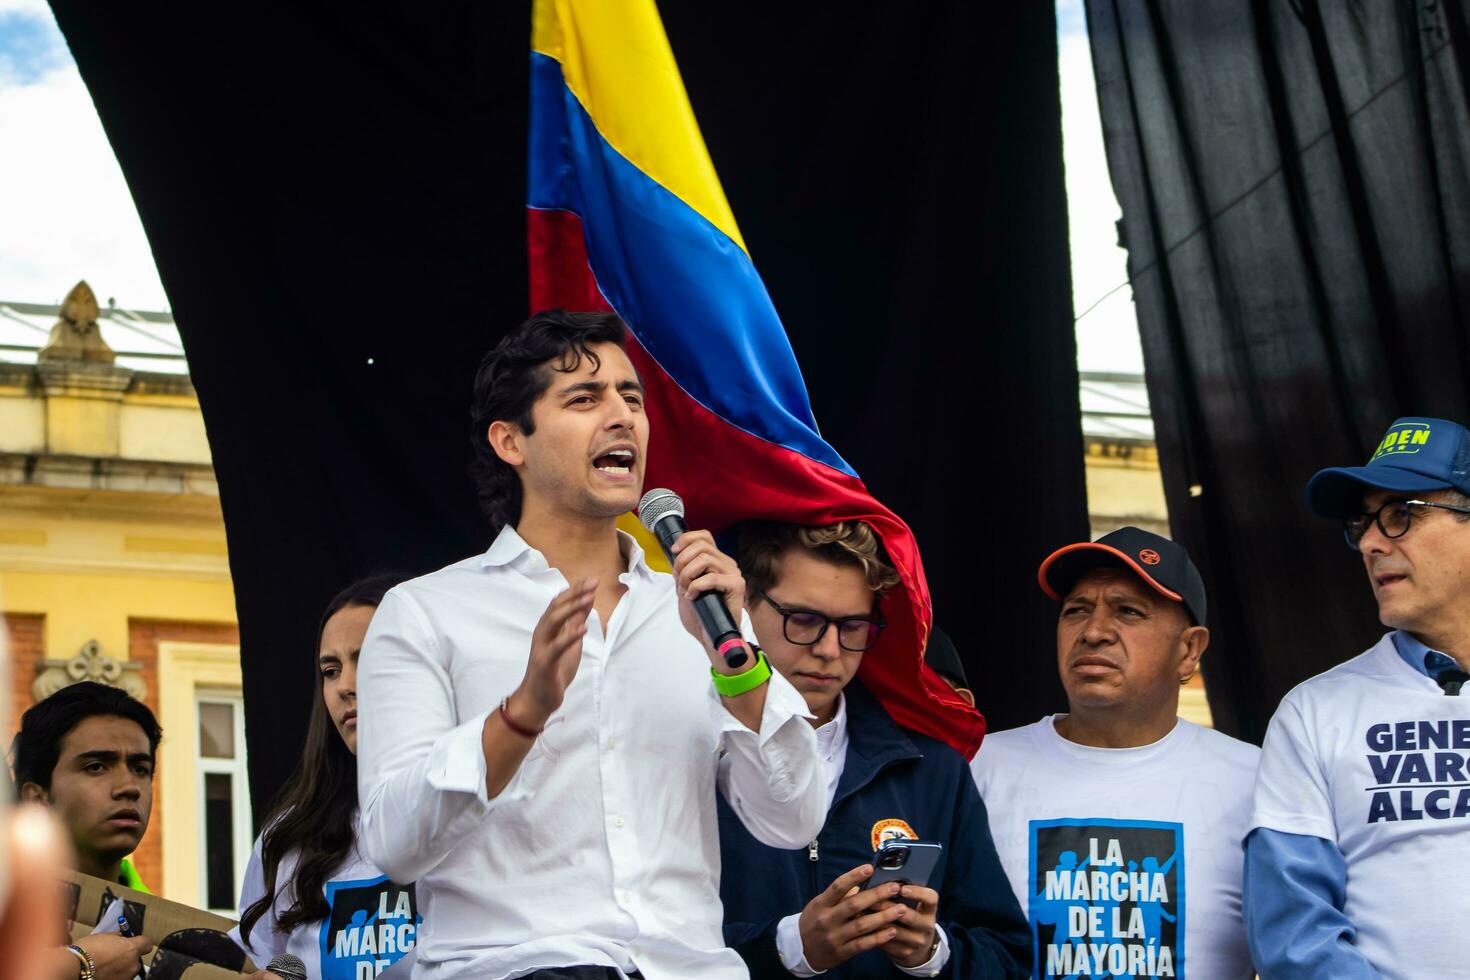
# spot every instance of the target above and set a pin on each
(515, 373)
(37, 746)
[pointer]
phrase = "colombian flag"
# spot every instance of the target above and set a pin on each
(626, 213)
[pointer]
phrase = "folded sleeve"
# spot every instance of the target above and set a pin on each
(421, 768)
(773, 779)
(1292, 793)
(1294, 890)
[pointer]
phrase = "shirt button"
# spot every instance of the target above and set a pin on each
(617, 821)
(612, 743)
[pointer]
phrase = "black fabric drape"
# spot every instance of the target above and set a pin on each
(334, 194)
(1293, 178)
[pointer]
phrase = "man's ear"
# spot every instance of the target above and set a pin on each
(505, 440)
(966, 695)
(1194, 640)
(34, 793)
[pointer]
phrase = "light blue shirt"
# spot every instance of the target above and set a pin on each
(1296, 885)
(1430, 663)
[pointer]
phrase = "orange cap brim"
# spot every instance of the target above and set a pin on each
(1125, 558)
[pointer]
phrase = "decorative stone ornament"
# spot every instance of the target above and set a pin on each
(90, 664)
(76, 336)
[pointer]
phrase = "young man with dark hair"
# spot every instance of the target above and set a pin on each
(814, 600)
(1355, 861)
(544, 727)
(1119, 823)
(87, 753)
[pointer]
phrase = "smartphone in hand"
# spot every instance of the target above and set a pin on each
(910, 862)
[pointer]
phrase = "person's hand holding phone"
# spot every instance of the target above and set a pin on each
(914, 933)
(845, 920)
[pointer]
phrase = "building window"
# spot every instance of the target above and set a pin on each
(224, 832)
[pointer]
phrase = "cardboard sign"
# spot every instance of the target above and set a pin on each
(188, 944)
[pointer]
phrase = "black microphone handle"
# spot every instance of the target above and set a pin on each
(714, 615)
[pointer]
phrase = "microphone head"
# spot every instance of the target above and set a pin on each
(287, 967)
(658, 504)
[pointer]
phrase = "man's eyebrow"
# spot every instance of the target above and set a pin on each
(141, 757)
(98, 755)
(591, 385)
(630, 384)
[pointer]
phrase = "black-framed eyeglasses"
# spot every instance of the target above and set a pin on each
(1393, 519)
(805, 627)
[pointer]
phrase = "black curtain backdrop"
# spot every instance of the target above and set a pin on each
(1295, 185)
(334, 195)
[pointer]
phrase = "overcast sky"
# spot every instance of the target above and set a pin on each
(65, 212)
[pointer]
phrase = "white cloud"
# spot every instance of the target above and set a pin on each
(65, 211)
(1107, 337)
(36, 8)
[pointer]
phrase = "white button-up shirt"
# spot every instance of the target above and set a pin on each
(603, 849)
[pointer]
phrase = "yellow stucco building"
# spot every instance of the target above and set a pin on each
(113, 565)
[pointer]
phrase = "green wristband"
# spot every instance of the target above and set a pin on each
(734, 685)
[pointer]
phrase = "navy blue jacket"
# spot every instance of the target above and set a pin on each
(889, 773)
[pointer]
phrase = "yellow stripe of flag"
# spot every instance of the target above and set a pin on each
(617, 61)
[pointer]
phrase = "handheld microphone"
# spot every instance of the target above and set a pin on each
(662, 512)
(287, 967)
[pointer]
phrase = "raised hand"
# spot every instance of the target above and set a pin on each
(556, 653)
(842, 922)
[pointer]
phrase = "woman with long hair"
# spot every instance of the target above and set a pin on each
(308, 890)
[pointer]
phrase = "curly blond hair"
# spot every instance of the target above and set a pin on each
(760, 545)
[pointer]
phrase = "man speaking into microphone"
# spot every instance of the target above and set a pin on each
(544, 725)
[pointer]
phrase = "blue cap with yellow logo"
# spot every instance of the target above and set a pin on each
(1416, 455)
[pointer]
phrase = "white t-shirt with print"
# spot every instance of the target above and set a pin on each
(371, 931)
(1373, 756)
(1128, 861)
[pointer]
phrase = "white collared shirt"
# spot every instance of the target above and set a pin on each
(603, 849)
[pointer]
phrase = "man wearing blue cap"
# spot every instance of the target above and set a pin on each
(1355, 860)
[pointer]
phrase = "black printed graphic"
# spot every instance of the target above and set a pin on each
(1107, 898)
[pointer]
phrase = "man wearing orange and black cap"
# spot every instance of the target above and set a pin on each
(1119, 824)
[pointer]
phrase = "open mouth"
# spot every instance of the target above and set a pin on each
(615, 462)
(126, 819)
(1388, 579)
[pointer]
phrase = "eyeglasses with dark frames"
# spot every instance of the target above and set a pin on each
(806, 627)
(1393, 519)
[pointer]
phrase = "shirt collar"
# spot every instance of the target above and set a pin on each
(510, 549)
(832, 737)
(1430, 663)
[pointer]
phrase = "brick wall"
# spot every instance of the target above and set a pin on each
(26, 638)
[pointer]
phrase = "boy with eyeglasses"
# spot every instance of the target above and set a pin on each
(1355, 863)
(814, 602)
